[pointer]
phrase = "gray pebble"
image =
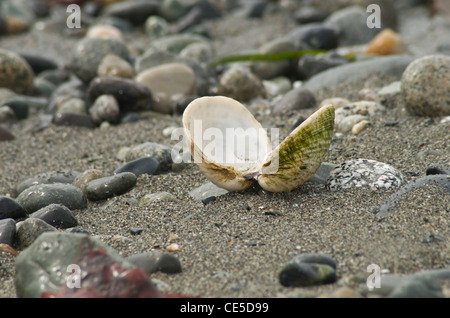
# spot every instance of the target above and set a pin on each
(41, 195)
(206, 191)
(63, 176)
(295, 99)
(241, 84)
(105, 108)
(89, 52)
(10, 208)
(56, 215)
(108, 187)
(140, 166)
(418, 286)
(295, 274)
(73, 119)
(156, 261)
(160, 152)
(7, 231)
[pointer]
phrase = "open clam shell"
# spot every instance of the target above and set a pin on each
(233, 150)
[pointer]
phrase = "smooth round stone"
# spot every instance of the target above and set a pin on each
(425, 86)
(174, 43)
(156, 26)
(73, 104)
(295, 274)
(7, 231)
(89, 52)
(57, 176)
(310, 14)
(104, 31)
(315, 36)
(156, 261)
(418, 286)
(110, 186)
(10, 208)
(364, 173)
(105, 108)
(201, 52)
(160, 152)
(42, 87)
(73, 119)
(87, 176)
(352, 23)
(310, 65)
(38, 63)
(41, 195)
(315, 258)
(347, 123)
(29, 230)
(172, 10)
(56, 215)
(136, 11)
(168, 84)
(148, 199)
(15, 73)
(130, 95)
(6, 115)
(295, 99)
(6, 134)
(112, 65)
(269, 70)
(139, 166)
(241, 84)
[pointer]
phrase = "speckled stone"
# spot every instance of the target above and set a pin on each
(364, 173)
(57, 176)
(87, 176)
(41, 195)
(15, 72)
(105, 108)
(29, 230)
(113, 65)
(425, 86)
(7, 231)
(241, 84)
(89, 52)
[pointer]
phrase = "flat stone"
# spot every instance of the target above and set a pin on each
(161, 153)
(295, 99)
(73, 119)
(206, 191)
(110, 186)
(300, 274)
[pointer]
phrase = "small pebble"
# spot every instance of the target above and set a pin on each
(241, 84)
(56, 215)
(41, 195)
(7, 231)
(159, 152)
(302, 274)
(10, 208)
(15, 73)
(145, 165)
(29, 230)
(156, 261)
(386, 42)
(6, 134)
(110, 186)
(168, 83)
(113, 65)
(105, 108)
(295, 99)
